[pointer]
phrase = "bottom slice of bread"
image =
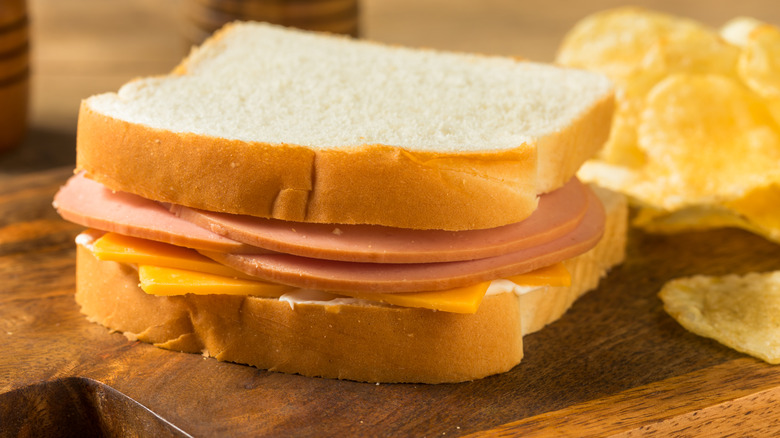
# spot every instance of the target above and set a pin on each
(355, 341)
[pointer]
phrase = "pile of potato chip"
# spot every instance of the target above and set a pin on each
(695, 141)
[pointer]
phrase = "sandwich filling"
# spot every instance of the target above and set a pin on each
(179, 250)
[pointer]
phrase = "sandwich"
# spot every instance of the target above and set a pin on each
(314, 204)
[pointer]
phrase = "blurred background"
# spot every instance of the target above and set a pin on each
(84, 47)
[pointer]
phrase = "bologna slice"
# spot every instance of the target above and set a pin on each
(91, 204)
(558, 213)
(333, 275)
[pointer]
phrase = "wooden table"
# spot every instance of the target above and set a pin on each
(616, 364)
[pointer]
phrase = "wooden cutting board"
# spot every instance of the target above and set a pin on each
(615, 364)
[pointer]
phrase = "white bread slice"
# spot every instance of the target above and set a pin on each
(274, 122)
(349, 341)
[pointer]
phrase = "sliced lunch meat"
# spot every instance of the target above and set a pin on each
(332, 275)
(558, 213)
(89, 203)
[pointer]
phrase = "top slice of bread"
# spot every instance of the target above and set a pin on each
(274, 122)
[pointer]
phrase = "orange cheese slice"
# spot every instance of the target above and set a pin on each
(459, 300)
(125, 249)
(156, 280)
(168, 270)
(553, 275)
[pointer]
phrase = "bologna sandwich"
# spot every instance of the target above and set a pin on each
(313, 204)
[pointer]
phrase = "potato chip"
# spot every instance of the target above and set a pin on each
(761, 208)
(612, 176)
(708, 140)
(737, 30)
(759, 62)
(756, 212)
(614, 42)
(697, 218)
(637, 48)
(774, 108)
(691, 48)
(627, 41)
(621, 146)
(741, 312)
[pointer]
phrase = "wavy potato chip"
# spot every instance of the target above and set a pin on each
(701, 150)
(630, 44)
(741, 312)
(755, 212)
(614, 41)
(698, 218)
(758, 65)
(737, 30)
(637, 48)
(759, 62)
(622, 146)
(759, 209)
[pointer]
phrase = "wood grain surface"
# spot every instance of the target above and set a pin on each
(614, 365)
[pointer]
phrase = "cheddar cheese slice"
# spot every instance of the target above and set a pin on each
(553, 275)
(168, 270)
(125, 249)
(156, 280)
(459, 300)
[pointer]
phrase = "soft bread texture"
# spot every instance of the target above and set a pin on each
(370, 343)
(538, 308)
(298, 126)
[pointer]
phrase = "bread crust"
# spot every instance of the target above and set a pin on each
(355, 342)
(370, 184)
(561, 154)
(345, 341)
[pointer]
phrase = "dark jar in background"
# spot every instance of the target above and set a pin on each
(14, 72)
(203, 17)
